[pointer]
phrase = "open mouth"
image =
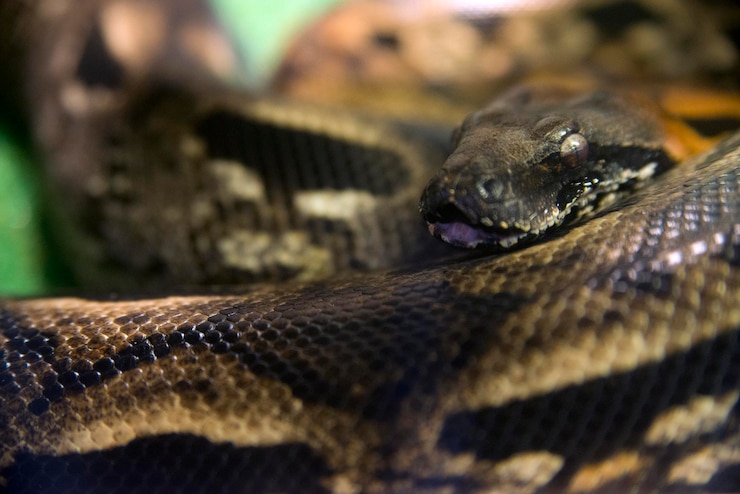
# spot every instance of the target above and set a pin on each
(464, 235)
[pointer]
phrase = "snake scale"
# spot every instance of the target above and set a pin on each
(604, 357)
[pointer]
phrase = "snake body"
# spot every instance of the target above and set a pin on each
(602, 358)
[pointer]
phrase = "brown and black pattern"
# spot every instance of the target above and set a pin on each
(605, 358)
(437, 380)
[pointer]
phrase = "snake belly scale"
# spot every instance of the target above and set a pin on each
(602, 358)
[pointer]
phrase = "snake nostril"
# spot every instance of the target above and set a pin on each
(490, 188)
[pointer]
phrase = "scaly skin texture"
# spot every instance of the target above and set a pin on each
(603, 359)
(571, 364)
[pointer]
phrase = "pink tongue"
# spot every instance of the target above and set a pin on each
(460, 234)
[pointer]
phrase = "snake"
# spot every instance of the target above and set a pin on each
(588, 342)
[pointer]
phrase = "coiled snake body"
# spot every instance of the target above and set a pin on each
(604, 358)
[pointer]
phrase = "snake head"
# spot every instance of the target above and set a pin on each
(528, 163)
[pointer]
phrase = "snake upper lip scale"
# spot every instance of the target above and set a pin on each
(449, 223)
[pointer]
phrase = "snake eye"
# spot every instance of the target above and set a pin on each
(573, 150)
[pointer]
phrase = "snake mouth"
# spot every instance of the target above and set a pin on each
(465, 235)
(461, 227)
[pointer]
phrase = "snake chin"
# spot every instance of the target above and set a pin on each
(464, 235)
